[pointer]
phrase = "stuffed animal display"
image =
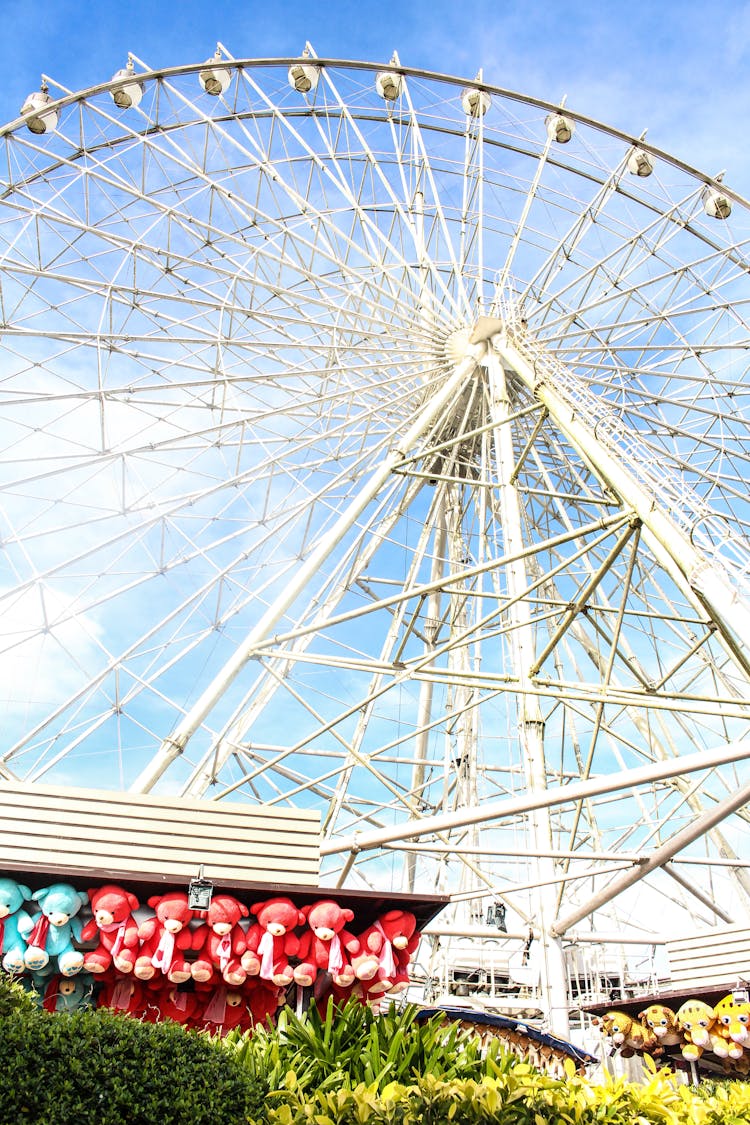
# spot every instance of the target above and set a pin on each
(385, 952)
(166, 938)
(326, 945)
(50, 932)
(220, 942)
(116, 927)
(12, 945)
(271, 941)
(694, 1029)
(215, 969)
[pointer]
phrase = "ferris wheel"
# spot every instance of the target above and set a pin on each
(377, 442)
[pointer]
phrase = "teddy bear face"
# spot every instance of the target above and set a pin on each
(733, 1017)
(12, 896)
(659, 1019)
(695, 1016)
(60, 902)
(224, 913)
(278, 916)
(111, 904)
(617, 1025)
(399, 927)
(327, 918)
(172, 910)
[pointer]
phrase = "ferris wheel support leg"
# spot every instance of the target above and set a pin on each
(701, 580)
(531, 723)
(175, 744)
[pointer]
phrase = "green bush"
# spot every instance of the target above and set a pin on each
(352, 1045)
(14, 998)
(99, 1068)
(519, 1096)
(349, 1068)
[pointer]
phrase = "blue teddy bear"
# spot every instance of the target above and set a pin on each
(12, 917)
(62, 993)
(50, 933)
(12, 946)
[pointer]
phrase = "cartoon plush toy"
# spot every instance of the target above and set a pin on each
(12, 945)
(221, 942)
(36, 983)
(223, 1009)
(169, 1002)
(662, 1022)
(271, 941)
(627, 1034)
(165, 938)
(386, 949)
(263, 1001)
(68, 994)
(122, 994)
(732, 1020)
(326, 945)
(117, 929)
(696, 1020)
(51, 932)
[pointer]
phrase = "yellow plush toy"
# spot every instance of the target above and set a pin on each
(661, 1022)
(627, 1035)
(696, 1020)
(733, 1025)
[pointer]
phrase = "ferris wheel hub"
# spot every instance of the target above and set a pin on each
(471, 342)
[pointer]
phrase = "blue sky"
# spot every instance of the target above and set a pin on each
(677, 69)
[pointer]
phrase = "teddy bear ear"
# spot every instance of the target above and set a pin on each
(25, 891)
(256, 908)
(348, 914)
(133, 902)
(301, 918)
(305, 911)
(154, 901)
(41, 894)
(83, 896)
(245, 913)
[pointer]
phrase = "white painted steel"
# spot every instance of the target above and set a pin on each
(273, 532)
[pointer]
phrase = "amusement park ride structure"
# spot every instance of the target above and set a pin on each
(375, 443)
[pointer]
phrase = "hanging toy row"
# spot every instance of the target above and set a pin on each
(216, 1008)
(310, 946)
(695, 1029)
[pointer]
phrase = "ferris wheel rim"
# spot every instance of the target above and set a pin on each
(69, 97)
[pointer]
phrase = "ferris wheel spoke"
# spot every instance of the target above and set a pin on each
(609, 265)
(540, 282)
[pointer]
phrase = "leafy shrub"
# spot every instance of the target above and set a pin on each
(517, 1096)
(99, 1068)
(352, 1045)
(13, 997)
